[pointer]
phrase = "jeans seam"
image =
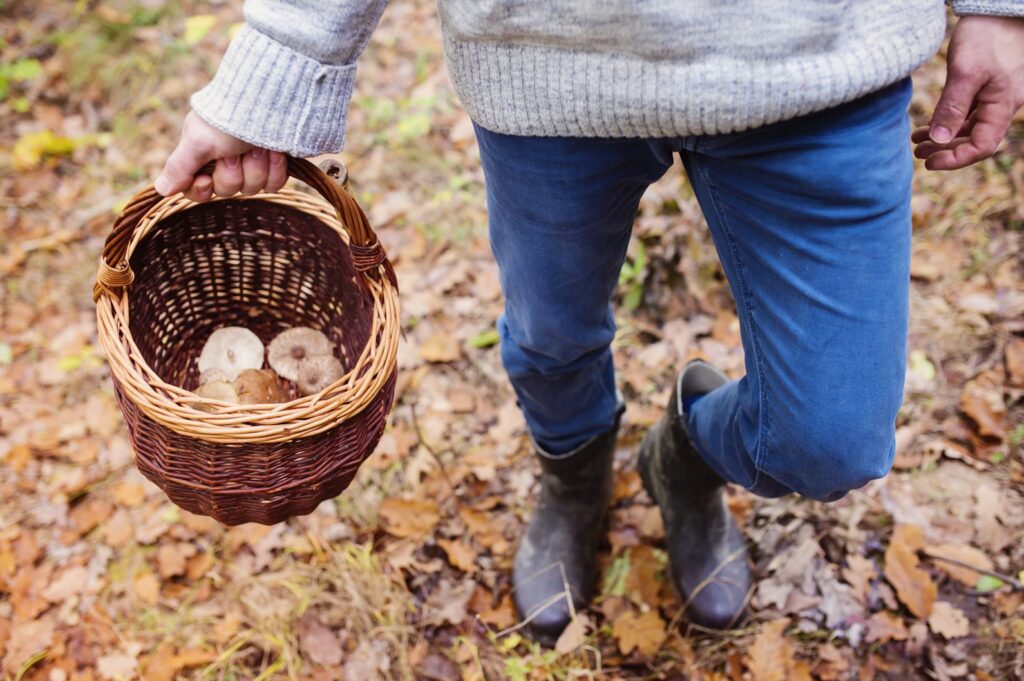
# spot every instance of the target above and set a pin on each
(763, 425)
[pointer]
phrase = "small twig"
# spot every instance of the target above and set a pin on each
(435, 455)
(1006, 579)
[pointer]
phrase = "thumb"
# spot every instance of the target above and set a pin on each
(962, 85)
(181, 167)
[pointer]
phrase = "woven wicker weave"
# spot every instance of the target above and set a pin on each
(174, 271)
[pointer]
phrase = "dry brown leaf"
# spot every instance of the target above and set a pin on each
(982, 401)
(884, 626)
(117, 667)
(198, 565)
(643, 633)
(771, 657)
(171, 558)
(858, 573)
(948, 621)
(460, 555)
(408, 517)
(129, 493)
(964, 554)
(1015, 362)
(320, 643)
(27, 639)
(913, 585)
(147, 587)
(572, 636)
(90, 513)
(441, 347)
(118, 530)
(643, 581)
(71, 582)
(161, 665)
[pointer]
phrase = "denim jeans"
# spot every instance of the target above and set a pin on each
(811, 220)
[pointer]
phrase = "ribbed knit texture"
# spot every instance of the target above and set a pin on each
(586, 68)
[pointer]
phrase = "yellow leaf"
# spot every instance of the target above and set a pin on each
(31, 148)
(196, 27)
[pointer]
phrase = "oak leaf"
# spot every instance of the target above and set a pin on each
(962, 554)
(459, 554)
(948, 621)
(884, 626)
(913, 585)
(320, 643)
(982, 401)
(408, 517)
(643, 633)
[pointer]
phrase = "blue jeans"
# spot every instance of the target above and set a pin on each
(811, 219)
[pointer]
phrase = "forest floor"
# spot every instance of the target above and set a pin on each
(407, 572)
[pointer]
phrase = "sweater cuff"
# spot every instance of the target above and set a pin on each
(276, 98)
(998, 8)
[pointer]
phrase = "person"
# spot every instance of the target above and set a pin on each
(791, 122)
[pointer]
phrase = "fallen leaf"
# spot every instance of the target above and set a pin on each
(69, 583)
(370, 660)
(644, 633)
(33, 147)
(408, 517)
(197, 26)
(27, 639)
(884, 626)
(441, 347)
(982, 401)
(171, 558)
(459, 554)
(129, 493)
(913, 585)
(117, 667)
(450, 603)
(858, 573)
(1015, 361)
(572, 636)
(948, 621)
(319, 642)
(147, 587)
(771, 656)
(964, 554)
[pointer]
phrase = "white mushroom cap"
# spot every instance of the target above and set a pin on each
(216, 390)
(290, 348)
(316, 373)
(231, 349)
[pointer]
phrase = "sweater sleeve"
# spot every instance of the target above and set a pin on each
(999, 8)
(286, 79)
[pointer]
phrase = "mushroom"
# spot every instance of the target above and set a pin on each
(213, 374)
(231, 349)
(316, 373)
(259, 386)
(215, 390)
(288, 351)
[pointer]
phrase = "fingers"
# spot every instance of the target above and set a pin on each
(962, 85)
(255, 168)
(991, 122)
(277, 174)
(201, 189)
(227, 176)
(180, 169)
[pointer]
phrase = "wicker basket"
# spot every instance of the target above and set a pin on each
(173, 271)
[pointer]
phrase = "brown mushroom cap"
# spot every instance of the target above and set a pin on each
(216, 390)
(231, 349)
(290, 348)
(316, 373)
(259, 386)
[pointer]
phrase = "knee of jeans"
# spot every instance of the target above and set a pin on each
(827, 460)
(548, 349)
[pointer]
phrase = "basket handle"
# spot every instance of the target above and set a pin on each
(367, 253)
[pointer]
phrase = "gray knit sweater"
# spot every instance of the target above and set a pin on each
(588, 68)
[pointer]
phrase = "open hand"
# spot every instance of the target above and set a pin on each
(241, 167)
(984, 89)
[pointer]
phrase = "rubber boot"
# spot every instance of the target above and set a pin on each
(706, 550)
(556, 563)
